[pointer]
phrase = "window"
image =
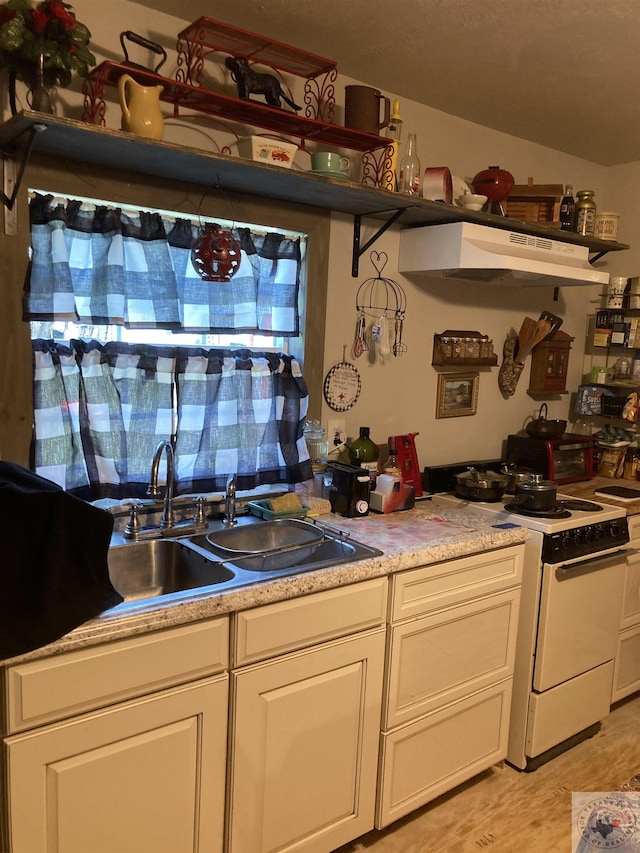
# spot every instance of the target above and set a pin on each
(131, 346)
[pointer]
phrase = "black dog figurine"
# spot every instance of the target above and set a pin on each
(250, 82)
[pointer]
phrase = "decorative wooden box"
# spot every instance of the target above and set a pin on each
(539, 203)
(549, 363)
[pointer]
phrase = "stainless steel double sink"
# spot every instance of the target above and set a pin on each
(220, 559)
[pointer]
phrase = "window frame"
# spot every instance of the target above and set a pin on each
(90, 180)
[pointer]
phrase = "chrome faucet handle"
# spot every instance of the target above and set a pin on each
(199, 514)
(132, 529)
(230, 502)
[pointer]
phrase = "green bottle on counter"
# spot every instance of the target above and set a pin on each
(364, 452)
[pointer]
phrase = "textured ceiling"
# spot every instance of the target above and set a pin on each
(563, 73)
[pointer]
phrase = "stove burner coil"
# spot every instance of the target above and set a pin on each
(556, 511)
(577, 505)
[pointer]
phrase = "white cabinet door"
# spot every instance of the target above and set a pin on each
(142, 777)
(626, 673)
(631, 601)
(305, 747)
(447, 655)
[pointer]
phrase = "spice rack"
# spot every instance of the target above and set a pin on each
(462, 348)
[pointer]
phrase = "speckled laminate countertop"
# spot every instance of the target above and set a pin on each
(586, 490)
(428, 534)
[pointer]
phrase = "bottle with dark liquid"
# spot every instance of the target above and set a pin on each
(567, 210)
(364, 453)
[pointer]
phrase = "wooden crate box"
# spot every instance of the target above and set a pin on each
(537, 203)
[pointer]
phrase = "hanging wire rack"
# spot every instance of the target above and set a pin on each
(381, 306)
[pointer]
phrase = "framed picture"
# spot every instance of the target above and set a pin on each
(457, 395)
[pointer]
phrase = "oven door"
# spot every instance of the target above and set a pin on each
(569, 462)
(579, 620)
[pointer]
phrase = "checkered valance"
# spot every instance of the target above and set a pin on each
(100, 410)
(101, 265)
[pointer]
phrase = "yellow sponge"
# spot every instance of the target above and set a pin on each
(285, 503)
(318, 506)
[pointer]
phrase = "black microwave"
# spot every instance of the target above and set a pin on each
(563, 460)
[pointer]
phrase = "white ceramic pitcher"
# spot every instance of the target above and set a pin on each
(140, 106)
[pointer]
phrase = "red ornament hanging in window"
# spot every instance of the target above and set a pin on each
(215, 254)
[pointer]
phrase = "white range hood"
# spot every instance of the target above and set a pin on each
(473, 252)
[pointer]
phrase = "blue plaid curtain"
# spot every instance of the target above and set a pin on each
(101, 265)
(100, 410)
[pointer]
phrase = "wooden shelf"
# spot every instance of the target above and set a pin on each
(68, 139)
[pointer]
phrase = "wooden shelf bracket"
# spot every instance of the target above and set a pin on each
(11, 183)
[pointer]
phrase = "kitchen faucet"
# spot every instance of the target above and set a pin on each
(230, 502)
(168, 525)
(167, 519)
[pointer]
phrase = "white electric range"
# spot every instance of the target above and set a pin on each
(569, 619)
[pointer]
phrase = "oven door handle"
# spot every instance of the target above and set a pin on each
(593, 562)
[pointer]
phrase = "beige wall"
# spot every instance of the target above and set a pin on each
(399, 395)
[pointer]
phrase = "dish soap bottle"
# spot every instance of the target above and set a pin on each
(410, 176)
(364, 453)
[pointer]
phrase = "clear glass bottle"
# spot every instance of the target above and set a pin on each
(364, 452)
(391, 465)
(585, 216)
(317, 444)
(410, 177)
(567, 209)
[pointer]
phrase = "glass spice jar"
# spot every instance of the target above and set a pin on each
(486, 348)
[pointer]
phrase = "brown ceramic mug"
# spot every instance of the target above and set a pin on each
(362, 109)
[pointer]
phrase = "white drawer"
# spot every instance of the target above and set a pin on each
(285, 626)
(432, 755)
(440, 658)
(58, 687)
(430, 588)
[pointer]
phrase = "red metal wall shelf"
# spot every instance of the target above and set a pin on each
(217, 35)
(184, 95)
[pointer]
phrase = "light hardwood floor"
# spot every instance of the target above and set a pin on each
(505, 811)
